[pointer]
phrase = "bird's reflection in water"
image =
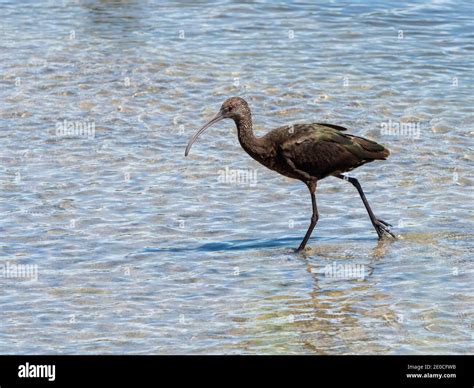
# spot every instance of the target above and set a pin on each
(338, 304)
(328, 319)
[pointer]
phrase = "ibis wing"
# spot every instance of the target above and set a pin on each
(318, 157)
(326, 151)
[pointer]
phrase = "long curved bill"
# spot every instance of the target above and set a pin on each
(218, 117)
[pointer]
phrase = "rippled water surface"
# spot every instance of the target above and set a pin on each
(139, 250)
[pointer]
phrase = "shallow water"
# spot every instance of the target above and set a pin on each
(139, 250)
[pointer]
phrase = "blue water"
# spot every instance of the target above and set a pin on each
(140, 250)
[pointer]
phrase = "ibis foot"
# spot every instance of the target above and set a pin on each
(300, 249)
(382, 228)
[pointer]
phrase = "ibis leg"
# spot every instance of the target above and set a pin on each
(314, 218)
(381, 227)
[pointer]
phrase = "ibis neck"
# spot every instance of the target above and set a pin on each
(249, 142)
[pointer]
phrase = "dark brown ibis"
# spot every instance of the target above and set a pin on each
(308, 152)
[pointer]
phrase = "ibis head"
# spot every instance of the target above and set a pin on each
(232, 108)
